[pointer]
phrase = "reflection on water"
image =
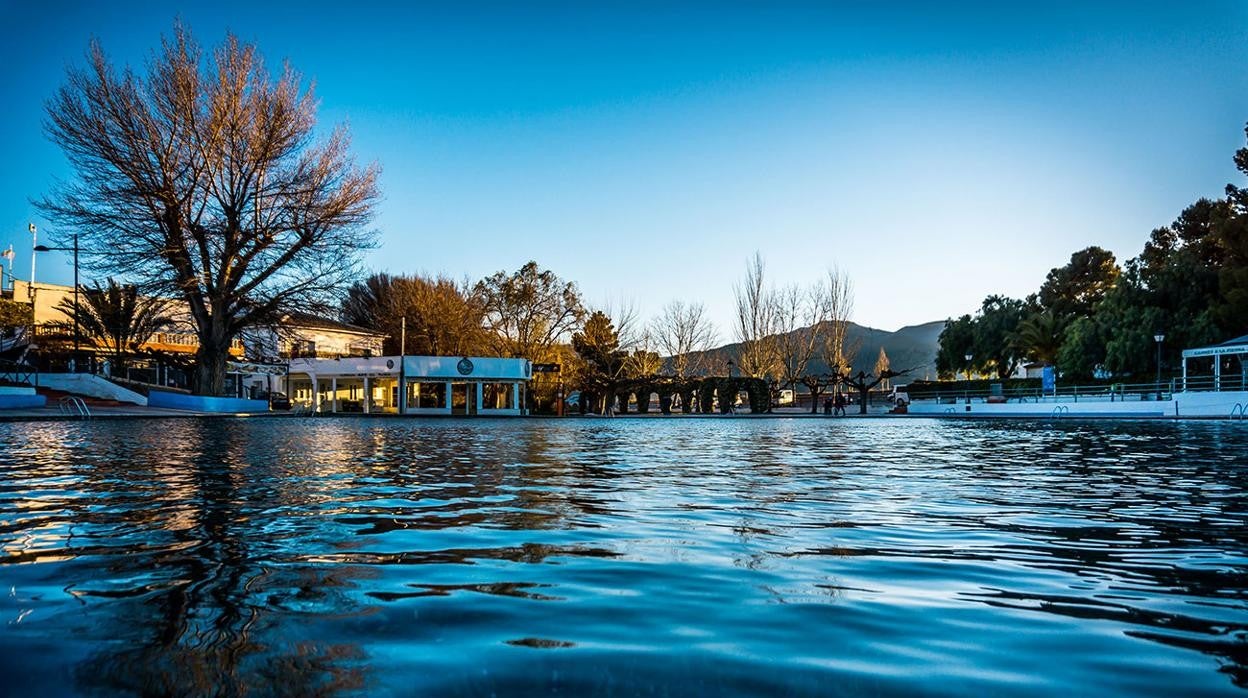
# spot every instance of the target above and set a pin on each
(657, 557)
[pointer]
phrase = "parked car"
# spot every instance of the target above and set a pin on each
(279, 401)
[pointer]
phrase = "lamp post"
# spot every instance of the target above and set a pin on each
(730, 365)
(403, 365)
(74, 249)
(34, 242)
(1159, 337)
(969, 356)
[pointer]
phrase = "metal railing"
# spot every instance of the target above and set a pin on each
(73, 406)
(1227, 382)
(1112, 392)
(14, 372)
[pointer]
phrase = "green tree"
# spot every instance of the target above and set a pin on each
(882, 365)
(993, 330)
(14, 314)
(116, 318)
(957, 340)
(1073, 290)
(529, 311)
(1040, 337)
(598, 345)
(1083, 348)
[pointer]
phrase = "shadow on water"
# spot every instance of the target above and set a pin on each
(324, 557)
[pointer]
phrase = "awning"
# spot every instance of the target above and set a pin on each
(1239, 345)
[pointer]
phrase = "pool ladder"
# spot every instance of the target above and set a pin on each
(1237, 412)
(1060, 411)
(73, 406)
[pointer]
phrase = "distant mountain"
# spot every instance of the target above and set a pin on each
(913, 346)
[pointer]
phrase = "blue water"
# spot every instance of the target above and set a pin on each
(653, 557)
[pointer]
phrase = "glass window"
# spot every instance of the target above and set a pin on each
(497, 396)
(426, 395)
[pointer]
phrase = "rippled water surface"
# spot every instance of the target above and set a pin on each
(627, 557)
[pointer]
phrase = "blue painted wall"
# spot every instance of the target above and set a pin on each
(17, 402)
(200, 403)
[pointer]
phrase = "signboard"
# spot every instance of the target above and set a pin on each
(1048, 380)
(547, 368)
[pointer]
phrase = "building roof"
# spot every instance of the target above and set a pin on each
(316, 322)
(1239, 345)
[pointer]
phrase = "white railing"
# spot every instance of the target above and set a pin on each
(73, 406)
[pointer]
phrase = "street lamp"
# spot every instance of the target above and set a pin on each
(74, 249)
(730, 364)
(34, 241)
(969, 356)
(1160, 338)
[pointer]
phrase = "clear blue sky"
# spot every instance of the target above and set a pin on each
(644, 151)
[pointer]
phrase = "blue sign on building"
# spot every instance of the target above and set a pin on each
(1048, 380)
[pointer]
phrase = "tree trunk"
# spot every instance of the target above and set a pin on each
(211, 357)
(863, 393)
(815, 391)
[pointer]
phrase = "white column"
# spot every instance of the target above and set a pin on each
(515, 396)
(480, 392)
(449, 389)
(316, 393)
(368, 394)
(1185, 372)
(333, 401)
(1217, 372)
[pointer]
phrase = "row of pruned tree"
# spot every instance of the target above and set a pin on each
(782, 330)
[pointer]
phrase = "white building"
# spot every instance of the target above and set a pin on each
(433, 385)
(300, 335)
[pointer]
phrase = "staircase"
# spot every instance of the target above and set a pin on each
(54, 398)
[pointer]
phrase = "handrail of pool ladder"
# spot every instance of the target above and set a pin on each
(74, 406)
(1237, 412)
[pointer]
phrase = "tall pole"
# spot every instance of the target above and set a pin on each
(1160, 338)
(403, 365)
(34, 242)
(77, 335)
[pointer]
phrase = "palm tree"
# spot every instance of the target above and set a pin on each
(116, 318)
(1039, 337)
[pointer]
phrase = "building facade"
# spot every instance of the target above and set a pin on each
(416, 385)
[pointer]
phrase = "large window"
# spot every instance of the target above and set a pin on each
(426, 395)
(497, 396)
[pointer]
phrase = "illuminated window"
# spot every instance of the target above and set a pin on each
(497, 396)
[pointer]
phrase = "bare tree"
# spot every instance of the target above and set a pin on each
(683, 332)
(755, 328)
(836, 302)
(837, 349)
(443, 316)
(201, 179)
(624, 317)
(800, 314)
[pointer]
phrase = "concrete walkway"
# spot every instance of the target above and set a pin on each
(53, 413)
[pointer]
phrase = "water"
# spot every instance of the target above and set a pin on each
(649, 557)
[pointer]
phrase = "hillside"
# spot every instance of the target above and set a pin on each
(913, 346)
